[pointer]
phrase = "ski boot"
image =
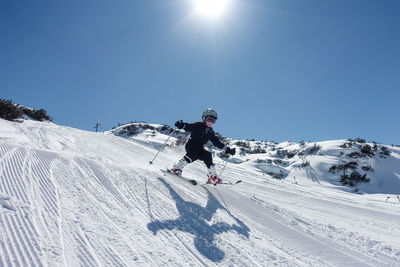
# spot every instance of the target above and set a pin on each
(177, 168)
(176, 171)
(212, 176)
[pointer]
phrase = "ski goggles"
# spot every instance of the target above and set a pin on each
(211, 119)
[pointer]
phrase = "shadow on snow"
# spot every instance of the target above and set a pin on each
(193, 219)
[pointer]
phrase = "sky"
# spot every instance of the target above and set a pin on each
(281, 70)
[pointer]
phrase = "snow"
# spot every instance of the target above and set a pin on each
(75, 198)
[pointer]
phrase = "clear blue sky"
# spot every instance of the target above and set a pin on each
(273, 69)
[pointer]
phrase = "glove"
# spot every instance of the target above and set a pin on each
(179, 124)
(230, 151)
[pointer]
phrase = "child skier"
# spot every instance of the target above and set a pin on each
(201, 133)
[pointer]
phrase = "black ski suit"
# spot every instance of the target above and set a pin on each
(200, 134)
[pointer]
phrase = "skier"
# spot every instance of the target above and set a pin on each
(201, 133)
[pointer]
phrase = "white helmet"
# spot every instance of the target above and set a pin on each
(209, 113)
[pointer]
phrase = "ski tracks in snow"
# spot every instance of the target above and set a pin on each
(20, 235)
(276, 226)
(37, 227)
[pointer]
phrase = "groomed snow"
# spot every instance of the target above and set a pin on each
(75, 198)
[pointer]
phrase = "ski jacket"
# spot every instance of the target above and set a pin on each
(201, 134)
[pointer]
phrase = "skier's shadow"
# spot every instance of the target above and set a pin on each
(193, 219)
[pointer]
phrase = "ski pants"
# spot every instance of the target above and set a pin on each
(195, 152)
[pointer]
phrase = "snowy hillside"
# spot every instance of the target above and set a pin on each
(323, 161)
(75, 198)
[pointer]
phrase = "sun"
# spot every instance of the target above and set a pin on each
(211, 8)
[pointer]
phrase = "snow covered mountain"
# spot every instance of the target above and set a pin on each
(369, 167)
(70, 198)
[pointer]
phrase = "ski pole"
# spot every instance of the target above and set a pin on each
(226, 162)
(151, 162)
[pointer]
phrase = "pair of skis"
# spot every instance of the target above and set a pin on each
(194, 182)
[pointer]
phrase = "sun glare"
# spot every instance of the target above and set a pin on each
(211, 8)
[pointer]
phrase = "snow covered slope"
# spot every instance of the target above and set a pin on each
(71, 198)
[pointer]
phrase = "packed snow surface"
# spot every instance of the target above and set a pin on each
(75, 198)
